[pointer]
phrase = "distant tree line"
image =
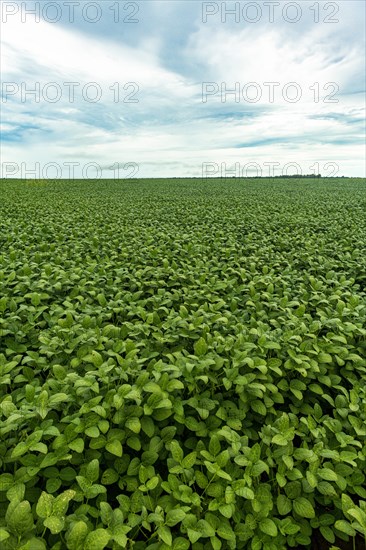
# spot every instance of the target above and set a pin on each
(300, 176)
(291, 176)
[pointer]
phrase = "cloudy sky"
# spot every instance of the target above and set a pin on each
(182, 88)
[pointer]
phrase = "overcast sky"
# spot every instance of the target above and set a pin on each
(145, 87)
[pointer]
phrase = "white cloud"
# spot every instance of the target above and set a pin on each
(170, 127)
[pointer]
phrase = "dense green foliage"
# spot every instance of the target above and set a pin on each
(182, 364)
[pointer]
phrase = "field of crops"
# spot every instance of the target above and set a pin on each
(183, 364)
